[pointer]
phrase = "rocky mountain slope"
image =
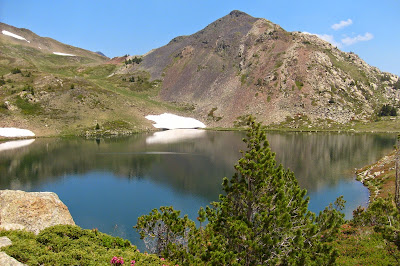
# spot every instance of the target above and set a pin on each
(241, 65)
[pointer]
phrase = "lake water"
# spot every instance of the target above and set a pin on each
(107, 184)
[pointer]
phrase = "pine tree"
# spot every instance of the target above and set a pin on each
(264, 217)
(165, 233)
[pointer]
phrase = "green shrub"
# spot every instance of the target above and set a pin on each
(387, 110)
(243, 79)
(299, 84)
(15, 70)
(135, 60)
(396, 85)
(29, 88)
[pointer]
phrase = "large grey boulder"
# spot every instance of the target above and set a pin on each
(32, 211)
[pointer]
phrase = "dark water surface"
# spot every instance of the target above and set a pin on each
(108, 183)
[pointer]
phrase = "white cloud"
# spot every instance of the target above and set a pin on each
(342, 24)
(359, 38)
(329, 38)
(326, 37)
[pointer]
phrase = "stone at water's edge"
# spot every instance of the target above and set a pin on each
(32, 211)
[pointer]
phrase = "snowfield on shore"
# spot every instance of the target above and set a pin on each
(14, 35)
(63, 54)
(12, 132)
(171, 121)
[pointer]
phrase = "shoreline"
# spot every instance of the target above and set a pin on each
(379, 177)
(116, 133)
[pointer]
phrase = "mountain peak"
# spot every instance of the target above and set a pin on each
(238, 13)
(240, 64)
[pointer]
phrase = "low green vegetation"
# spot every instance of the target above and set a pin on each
(28, 108)
(243, 79)
(373, 235)
(211, 114)
(299, 84)
(397, 85)
(347, 67)
(362, 245)
(72, 245)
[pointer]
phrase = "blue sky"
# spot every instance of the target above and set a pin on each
(371, 29)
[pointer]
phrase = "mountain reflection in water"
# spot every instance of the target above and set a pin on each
(109, 183)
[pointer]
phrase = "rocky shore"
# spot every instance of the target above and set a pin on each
(379, 177)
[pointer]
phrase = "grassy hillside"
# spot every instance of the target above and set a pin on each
(53, 94)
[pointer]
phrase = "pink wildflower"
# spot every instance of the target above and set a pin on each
(162, 259)
(117, 261)
(114, 260)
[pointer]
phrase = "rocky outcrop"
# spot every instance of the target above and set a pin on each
(32, 211)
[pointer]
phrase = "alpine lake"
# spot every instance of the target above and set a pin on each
(108, 183)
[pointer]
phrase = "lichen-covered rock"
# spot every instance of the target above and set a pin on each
(32, 211)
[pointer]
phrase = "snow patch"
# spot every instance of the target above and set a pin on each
(175, 135)
(11, 132)
(171, 121)
(14, 35)
(63, 54)
(10, 145)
